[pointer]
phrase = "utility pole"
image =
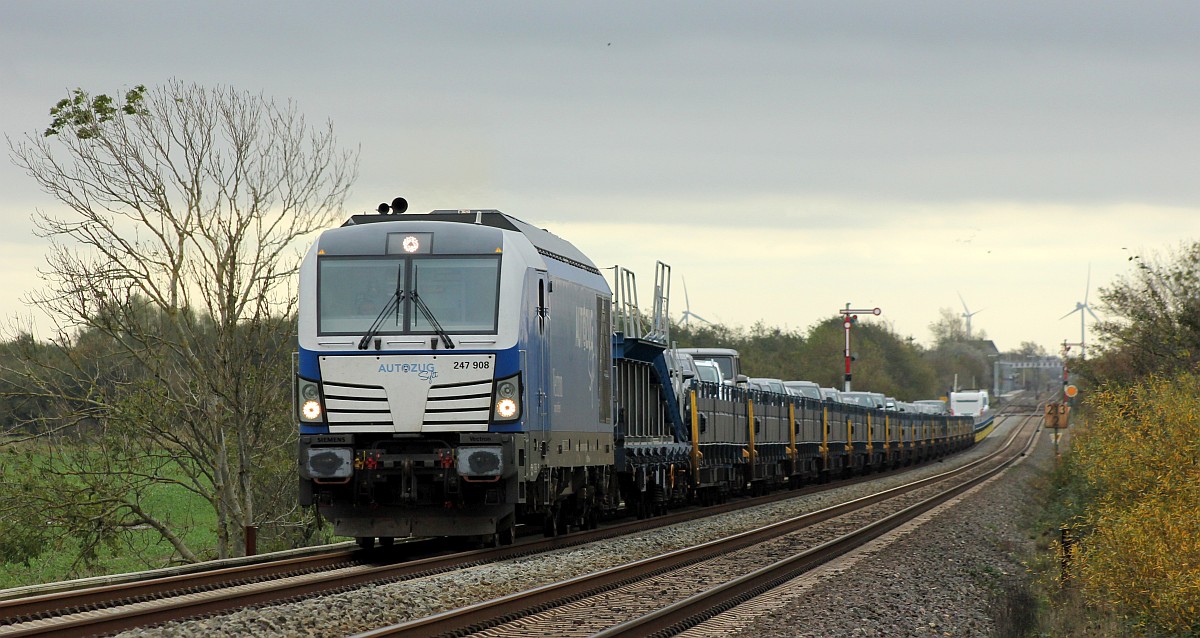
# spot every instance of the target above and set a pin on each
(849, 318)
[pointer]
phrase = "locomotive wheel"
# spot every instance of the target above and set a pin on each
(365, 542)
(386, 541)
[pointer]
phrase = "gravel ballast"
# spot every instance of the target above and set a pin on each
(957, 571)
(939, 580)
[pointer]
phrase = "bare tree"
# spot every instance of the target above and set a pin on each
(949, 328)
(171, 280)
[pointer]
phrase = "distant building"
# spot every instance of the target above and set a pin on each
(986, 347)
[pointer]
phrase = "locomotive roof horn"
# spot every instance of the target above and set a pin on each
(398, 206)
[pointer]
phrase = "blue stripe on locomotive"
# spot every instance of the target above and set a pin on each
(508, 362)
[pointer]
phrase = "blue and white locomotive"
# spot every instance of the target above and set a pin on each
(463, 371)
(454, 373)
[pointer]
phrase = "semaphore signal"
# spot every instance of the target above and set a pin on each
(849, 318)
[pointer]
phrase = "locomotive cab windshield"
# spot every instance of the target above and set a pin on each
(408, 295)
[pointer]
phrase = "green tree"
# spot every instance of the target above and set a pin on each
(885, 362)
(20, 402)
(171, 281)
(823, 359)
(956, 360)
(771, 352)
(1030, 349)
(949, 328)
(1151, 318)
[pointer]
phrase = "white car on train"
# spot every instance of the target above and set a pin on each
(969, 403)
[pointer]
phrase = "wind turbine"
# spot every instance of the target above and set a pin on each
(1080, 307)
(967, 314)
(687, 308)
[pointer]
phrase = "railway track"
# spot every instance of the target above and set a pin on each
(665, 594)
(137, 602)
(142, 602)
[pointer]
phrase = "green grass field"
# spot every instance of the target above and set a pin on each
(189, 515)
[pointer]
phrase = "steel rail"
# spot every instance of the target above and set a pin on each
(88, 582)
(58, 602)
(687, 613)
(120, 606)
(487, 614)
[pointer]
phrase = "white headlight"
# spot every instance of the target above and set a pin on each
(311, 410)
(506, 408)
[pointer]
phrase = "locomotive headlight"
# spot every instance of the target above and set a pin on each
(506, 408)
(311, 410)
(506, 404)
(308, 401)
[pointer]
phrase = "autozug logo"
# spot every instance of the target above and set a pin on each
(424, 371)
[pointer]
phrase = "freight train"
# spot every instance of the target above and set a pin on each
(461, 372)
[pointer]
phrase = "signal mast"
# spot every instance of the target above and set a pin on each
(849, 318)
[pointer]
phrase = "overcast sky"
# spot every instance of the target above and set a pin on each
(784, 157)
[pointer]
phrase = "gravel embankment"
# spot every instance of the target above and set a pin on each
(945, 593)
(955, 572)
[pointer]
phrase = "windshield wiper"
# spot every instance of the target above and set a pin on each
(393, 305)
(428, 314)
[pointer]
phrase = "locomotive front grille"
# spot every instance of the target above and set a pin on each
(459, 404)
(450, 404)
(356, 404)
(408, 393)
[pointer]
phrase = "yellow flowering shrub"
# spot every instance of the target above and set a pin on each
(1139, 454)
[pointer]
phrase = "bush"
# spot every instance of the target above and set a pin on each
(1139, 457)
